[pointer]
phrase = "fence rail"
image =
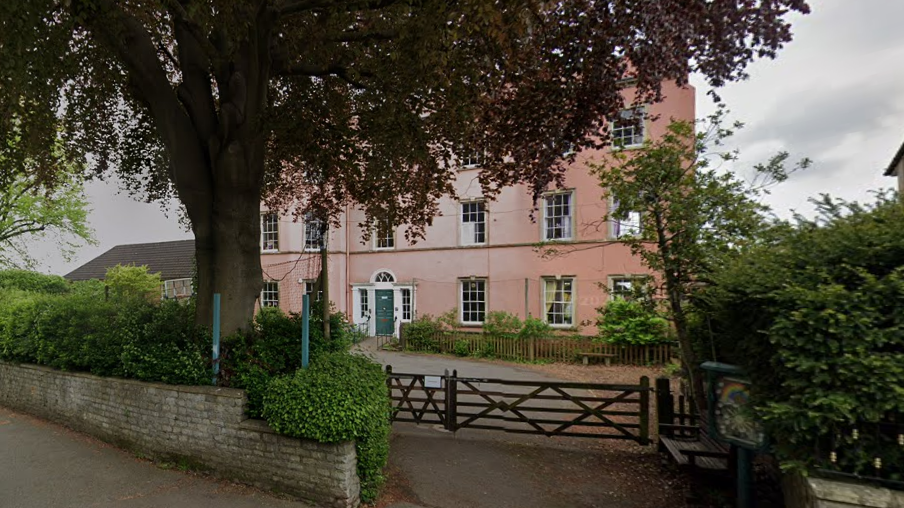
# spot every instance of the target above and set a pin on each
(589, 410)
(554, 349)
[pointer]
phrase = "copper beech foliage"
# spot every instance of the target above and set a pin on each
(354, 101)
(314, 105)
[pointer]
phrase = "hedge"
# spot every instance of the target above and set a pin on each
(816, 316)
(340, 397)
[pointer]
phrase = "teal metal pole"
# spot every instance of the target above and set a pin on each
(745, 477)
(216, 337)
(305, 329)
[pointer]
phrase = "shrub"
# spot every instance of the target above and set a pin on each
(814, 315)
(535, 328)
(501, 324)
(133, 282)
(421, 333)
(340, 397)
(25, 280)
(272, 347)
(461, 347)
(629, 322)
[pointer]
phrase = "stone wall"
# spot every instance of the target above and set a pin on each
(811, 492)
(205, 426)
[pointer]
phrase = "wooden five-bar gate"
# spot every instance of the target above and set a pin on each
(603, 411)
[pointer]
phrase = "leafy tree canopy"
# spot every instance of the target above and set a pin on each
(329, 102)
(32, 208)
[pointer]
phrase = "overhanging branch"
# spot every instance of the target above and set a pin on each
(345, 73)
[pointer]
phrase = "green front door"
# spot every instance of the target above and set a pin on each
(385, 321)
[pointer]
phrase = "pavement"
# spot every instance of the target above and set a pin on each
(44, 465)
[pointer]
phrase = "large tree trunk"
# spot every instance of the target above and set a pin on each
(227, 240)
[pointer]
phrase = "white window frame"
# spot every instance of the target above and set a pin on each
(391, 237)
(632, 226)
(171, 288)
(468, 229)
(307, 288)
(546, 218)
(572, 315)
(461, 299)
(267, 230)
(471, 159)
(364, 304)
(628, 129)
(309, 223)
(632, 279)
(407, 306)
(271, 288)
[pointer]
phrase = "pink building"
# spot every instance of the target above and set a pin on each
(478, 256)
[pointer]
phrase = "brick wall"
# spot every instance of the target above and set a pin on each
(203, 425)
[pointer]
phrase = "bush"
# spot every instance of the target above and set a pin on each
(628, 322)
(272, 347)
(133, 282)
(25, 280)
(80, 331)
(501, 324)
(816, 317)
(535, 328)
(461, 347)
(339, 398)
(420, 334)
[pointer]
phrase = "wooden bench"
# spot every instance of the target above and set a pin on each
(605, 356)
(682, 433)
(701, 452)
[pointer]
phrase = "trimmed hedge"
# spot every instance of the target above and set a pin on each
(340, 397)
(25, 280)
(80, 331)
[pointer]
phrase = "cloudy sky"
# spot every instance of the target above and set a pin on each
(835, 94)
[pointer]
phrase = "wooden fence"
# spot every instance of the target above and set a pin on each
(553, 349)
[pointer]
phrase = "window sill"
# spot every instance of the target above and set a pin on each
(471, 325)
(558, 240)
(313, 250)
(626, 148)
(270, 251)
(383, 248)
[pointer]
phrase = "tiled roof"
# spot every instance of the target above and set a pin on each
(173, 260)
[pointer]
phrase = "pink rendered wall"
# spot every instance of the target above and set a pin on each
(436, 264)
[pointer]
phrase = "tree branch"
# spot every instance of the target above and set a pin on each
(339, 71)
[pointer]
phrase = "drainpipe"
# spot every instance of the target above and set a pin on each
(348, 284)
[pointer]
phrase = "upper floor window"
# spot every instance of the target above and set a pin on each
(471, 159)
(473, 223)
(558, 215)
(558, 301)
(269, 232)
(473, 301)
(384, 236)
(270, 294)
(629, 226)
(621, 287)
(628, 129)
(313, 233)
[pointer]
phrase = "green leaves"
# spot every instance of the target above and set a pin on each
(629, 322)
(339, 397)
(814, 314)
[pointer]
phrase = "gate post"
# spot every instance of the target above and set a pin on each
(644, 411)
(665, 406)
(451, 396)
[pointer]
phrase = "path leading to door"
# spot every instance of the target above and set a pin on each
(489, 469)
(45, 465)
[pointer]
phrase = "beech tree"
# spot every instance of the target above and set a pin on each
(315, 104)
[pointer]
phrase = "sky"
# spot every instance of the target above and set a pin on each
(835, 94)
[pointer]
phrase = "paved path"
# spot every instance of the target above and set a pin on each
(490, 469)
(43, 465)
